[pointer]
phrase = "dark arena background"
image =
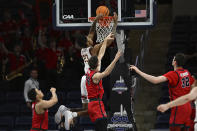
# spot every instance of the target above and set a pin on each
(43, 36)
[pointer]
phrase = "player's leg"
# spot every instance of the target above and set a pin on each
(180, 118)
(98, 115)
(78, 112)
(68, 115)
(101, 125)
(58, 114)
(84, 110)
(192, 117)
(84, 93)
(188, 118)
(176, 128)
(195, 127)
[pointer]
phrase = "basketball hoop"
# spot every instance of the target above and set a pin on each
(104, 27)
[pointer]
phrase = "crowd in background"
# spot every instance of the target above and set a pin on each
(24, 45)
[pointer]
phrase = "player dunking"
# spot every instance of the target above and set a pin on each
(64, 115)
(40, 108)
(86, 53)
(179, 83)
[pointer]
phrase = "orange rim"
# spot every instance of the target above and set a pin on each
(105, 21)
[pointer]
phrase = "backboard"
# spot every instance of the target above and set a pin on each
(74, 14)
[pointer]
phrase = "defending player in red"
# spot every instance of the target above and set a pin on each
(95, 90)
(40, 108)
(179, 83)
(181, 101)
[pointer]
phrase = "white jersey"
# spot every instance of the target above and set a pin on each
(195, 120)
(84, 93)
(85, 54)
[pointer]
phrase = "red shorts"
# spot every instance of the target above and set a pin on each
(192, 119)
(96, 110)
(181, 115)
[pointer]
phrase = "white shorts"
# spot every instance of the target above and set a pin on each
(195, 127)
(84, 93)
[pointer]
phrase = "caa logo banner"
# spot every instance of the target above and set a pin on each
(119, 122)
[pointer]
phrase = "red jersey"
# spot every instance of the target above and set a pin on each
(39, 121)
(94, 90)
(179, 83)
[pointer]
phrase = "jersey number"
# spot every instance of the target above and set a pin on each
(185, 82)
(85, 58)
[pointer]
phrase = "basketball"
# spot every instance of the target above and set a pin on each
(102, 10)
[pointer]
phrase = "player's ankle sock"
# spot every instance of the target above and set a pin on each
(74, 114)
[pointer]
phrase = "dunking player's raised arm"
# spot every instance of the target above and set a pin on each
(115, 23)
(96, 48)
(92, 30)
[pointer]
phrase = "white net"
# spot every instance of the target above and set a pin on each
(103, 28)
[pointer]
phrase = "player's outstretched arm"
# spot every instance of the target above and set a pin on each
(44, 104)
(179, 101)
(93, 27)
(150, 78)
(98, 76)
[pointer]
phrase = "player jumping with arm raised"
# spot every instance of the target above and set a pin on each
(86, 53)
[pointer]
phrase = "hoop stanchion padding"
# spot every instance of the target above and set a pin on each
(104, 27)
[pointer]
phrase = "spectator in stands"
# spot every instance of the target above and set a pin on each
(16, 59)
(51, 59)
(40, 108)
(51, 62)
(27, 41)
(3, 59)
(31, 83)
(8, 28)
(65, 43)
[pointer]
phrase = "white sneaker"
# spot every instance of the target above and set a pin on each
(59, 113)
(68, 119)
